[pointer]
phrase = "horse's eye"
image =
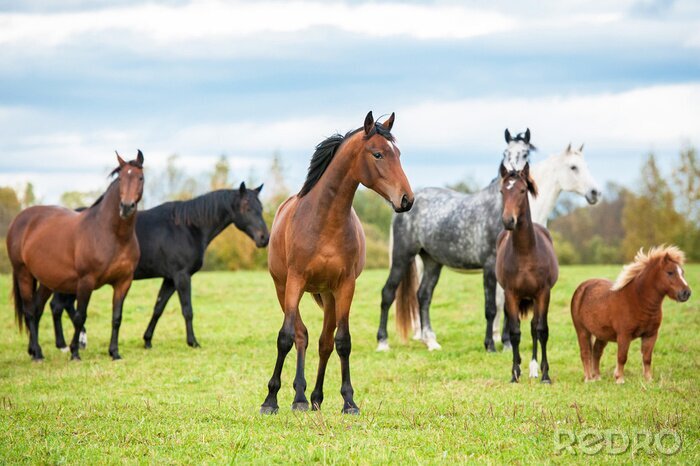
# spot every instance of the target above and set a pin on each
(377, 155)
(670, 274)
(574, 168)
(140, 178)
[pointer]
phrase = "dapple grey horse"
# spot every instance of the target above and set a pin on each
(448, 228)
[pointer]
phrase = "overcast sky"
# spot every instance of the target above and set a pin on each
(80, 79)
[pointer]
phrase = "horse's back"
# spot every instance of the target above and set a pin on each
(593, 305)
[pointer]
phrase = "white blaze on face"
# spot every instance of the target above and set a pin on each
(510, 184)
(680, 274)
(129, 171)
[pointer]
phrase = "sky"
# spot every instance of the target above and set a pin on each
(80, 79)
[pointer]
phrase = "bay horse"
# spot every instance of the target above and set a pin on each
(526, 267)
(457, 230)
(173, 238)
(77, 252)
(317, 245)
(630, 308)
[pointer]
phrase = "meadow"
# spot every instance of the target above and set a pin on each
(175, 404)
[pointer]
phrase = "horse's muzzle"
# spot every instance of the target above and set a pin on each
(592, 196)
(262, 239)
(683, 295)
(509, 223)
(405, 206)
(126, 209)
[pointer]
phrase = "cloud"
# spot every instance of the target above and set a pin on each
(213, 19)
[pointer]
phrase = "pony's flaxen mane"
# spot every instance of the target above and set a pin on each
(642, 261)
(323, 155)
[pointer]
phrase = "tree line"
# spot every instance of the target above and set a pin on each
(661, 208)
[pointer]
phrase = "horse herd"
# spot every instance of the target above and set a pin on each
(317, 245)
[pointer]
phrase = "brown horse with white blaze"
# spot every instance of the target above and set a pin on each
(526, 267)
(630, 308)
(317, 245)
(77, 252)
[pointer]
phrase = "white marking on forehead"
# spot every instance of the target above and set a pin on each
(128, 172)
(510, 184)
(680, 274)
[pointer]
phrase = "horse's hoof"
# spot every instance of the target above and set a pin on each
(620, 381)
(147, 344)
(547, 381)
(64, 349)
(433, 345)
(75, 357)
(534, 369)
(115, 356)
(382, 346)
(38, 359)
(490, 347)
(354, 410)
(268, 409)
(507, 347)
(194, 344)
(300, 406)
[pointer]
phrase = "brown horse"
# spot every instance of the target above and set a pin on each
(317, 245)
(526, 267)
(630, 308)
(77, 252)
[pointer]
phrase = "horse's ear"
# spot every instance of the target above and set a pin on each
(242, 188)
(531, 186)
(369, 122)
(527, 136)
(139, 158)
(580, 149)
(502, 170)
(120, 160)
(568, 148)
(259, 188)
(389, 122)
(508, 136)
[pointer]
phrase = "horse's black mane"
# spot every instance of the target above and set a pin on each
(204, 209)
(323, 155)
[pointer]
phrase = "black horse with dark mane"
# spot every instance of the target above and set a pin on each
(173, 238)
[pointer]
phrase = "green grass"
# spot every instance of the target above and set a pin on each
(174, 404)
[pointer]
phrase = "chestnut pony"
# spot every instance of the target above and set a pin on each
(77, 252)
(526, 267)
(630, 308)
(317, 245)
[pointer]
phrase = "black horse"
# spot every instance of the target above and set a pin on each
(173, 238)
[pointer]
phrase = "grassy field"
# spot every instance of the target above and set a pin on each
(174, 404)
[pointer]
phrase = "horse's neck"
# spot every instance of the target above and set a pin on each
(548, 188)
(524, 233)
(109, 218)
(335, 190)
(645, 289)
(223, 217)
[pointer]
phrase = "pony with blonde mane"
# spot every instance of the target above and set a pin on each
(627, 309)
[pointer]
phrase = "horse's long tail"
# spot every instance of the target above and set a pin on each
(407, 301)
(17, 298)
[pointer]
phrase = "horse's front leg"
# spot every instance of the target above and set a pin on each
(120, 291)
(57, 312)
(512, 310)
(647, 350)
(623, 346)
(183, 283)
(541, 311)
(325, 348)
(343, 345)
(289, 294)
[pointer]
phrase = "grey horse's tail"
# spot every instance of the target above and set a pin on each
(407, 302)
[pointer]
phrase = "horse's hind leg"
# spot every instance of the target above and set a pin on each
(541, 309)
(41, 296)
(167, 288)
(118, 297)
(183, 283)
(84, 293)
(490, 303)
(289, 295)
(301, 340)
(399, 267)
(57, 311)
(343, 344)
(69, 306)
(598, 348)
(27, 293)
(325, 348)
(431, 275)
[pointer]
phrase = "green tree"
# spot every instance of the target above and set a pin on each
(220, 176)
(649, 217)
(28, 198)
(75, 199)
(686, 187)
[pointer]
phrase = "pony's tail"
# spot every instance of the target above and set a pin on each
(407, 302)
(17, 298)
(525, 307)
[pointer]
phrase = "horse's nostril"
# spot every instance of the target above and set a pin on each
(404, 201)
